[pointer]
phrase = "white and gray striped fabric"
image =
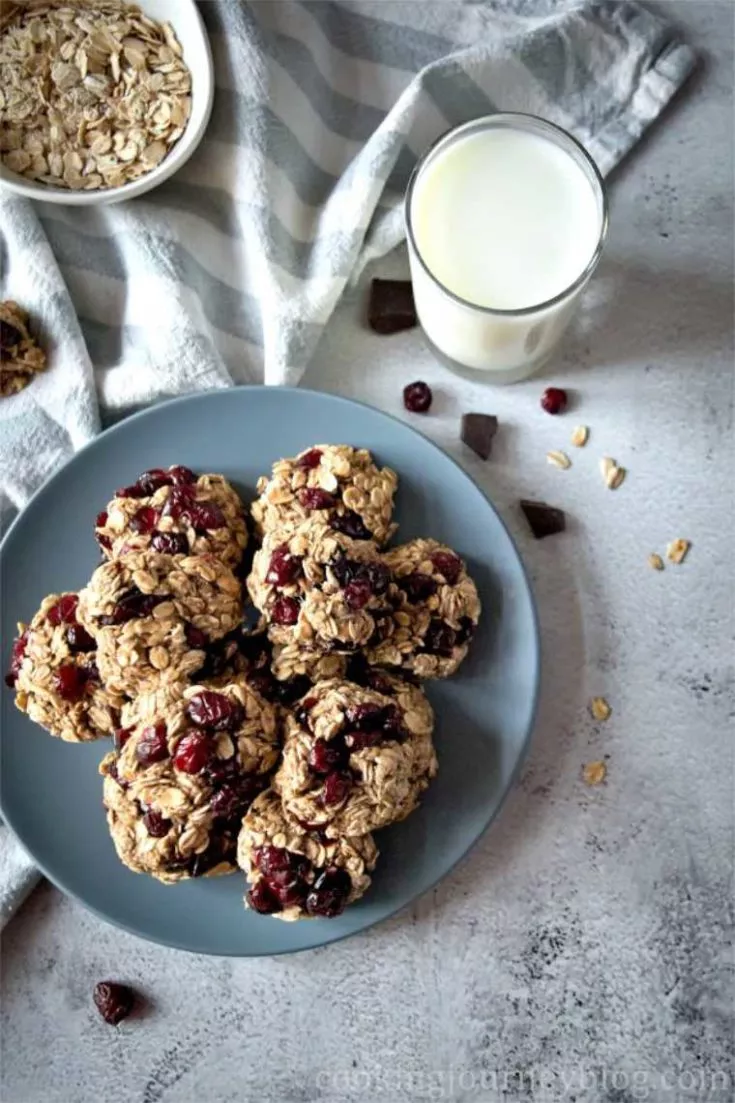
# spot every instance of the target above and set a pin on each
(228, 272)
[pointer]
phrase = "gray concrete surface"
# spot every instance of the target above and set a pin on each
(581, 952)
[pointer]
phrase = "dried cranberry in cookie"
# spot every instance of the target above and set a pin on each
(154, 616)
(180, 783)
(319, 590)
(436, 611)
(52, 675)
(355, 759)
(294, 871)
(175, 512)
(339, 484)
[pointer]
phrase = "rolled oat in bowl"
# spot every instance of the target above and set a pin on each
(93, 93)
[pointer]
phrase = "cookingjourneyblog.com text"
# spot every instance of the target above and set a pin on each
(582, 1083)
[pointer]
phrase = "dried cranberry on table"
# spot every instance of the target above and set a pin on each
(554, 400)
(113, 1001)
(417, 397)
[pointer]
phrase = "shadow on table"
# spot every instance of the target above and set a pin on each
(637, 313)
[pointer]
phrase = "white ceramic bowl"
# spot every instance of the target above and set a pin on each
(187, 24)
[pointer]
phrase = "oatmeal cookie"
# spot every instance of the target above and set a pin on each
(181, 780)
(436, 611)
(20, 355)
(317, 588)
(175, 512)
(340, 484)
(54, 673)
(354, 759)
(295, 871)
(154, 616)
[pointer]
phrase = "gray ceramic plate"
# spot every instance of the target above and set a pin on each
(51, 792)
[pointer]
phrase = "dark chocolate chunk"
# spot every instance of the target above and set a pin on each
(478, 431)
(391, 306)
(543, 520)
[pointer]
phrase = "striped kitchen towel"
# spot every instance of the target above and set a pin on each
(228, 272)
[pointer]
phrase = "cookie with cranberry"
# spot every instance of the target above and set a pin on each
(355, 759)
(53, 670)
(296, 872)
(175, 512)
(319, 589)
(154, 616)
(436, 610)
(180, 781)
(21, 357)
(340, 485)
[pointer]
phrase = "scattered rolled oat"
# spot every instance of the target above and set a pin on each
(677, 550)
(20, 356)
(656, 562)
(600, 708)
(559, 459)
(594, 773)
(93, 93)
(611, 473)
(580, 436)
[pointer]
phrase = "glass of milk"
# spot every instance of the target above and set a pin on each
(506, 217)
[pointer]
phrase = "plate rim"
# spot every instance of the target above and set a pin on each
(147, 411)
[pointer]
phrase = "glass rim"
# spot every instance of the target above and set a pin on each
(486, 121)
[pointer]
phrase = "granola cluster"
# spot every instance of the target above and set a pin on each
(20, 356)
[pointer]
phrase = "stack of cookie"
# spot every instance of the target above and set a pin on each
(358, 749)
(119, 659)
(280, 749)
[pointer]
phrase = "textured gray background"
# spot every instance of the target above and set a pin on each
(581, 952)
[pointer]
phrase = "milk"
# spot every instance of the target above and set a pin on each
(505, 214)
